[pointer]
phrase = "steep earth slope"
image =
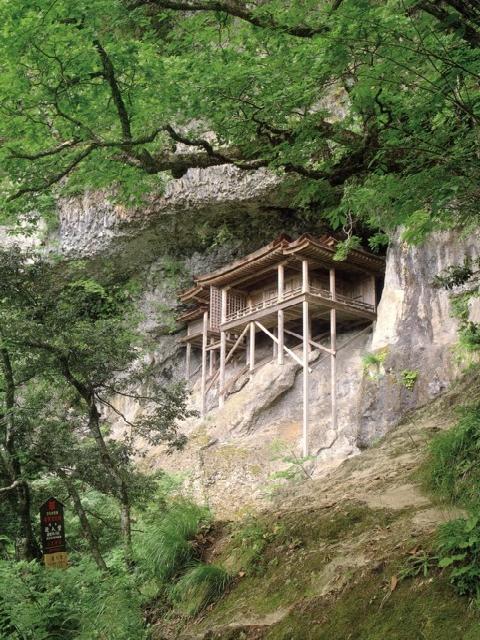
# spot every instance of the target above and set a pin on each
(330, 552)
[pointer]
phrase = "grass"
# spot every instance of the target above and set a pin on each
(452, 470)
(198, 587)
(167, 547)
(415, 610)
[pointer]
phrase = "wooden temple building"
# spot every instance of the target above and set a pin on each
(287, 289)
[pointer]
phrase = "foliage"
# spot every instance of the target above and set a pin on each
(198, 587)
(373, 361)
(418, 564)
(455, 275)
(453, 469)
(467, 277)
(409, 378)
(453, 472)
(459, 550)
(372, 106)
(74, 344)
(167, 545)
(296, 469)
(79, 603)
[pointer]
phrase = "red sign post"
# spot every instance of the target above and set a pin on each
(53, 534)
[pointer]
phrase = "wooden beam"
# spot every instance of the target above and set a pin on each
(373, 284)
(204, 364)
(286, 349)
(211, 354)
(239, 339)
(251, 347)
(306, 404)
(312, 342)
(333, 355)
(280, 314)
(333, 292)
(281, 336)
(188, 359)
(223, 350)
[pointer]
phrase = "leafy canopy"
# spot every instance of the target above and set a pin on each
(372, 108)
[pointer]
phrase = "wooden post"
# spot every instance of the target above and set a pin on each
(188, 359)
(373, 295)
(306, 352)
(251, 346)
(210, 356)
(305, 282)
(223, 351)
(280, 317)
(332, 285)
(275, 345)
(333, 355)
(204, 363)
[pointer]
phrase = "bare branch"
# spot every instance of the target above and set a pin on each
(11, 487)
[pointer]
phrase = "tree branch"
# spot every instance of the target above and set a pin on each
(240, 10)
(11, 487)
(110, 77)
(54, 179)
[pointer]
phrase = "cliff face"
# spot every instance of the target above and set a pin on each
(415, 331)
(233, 452)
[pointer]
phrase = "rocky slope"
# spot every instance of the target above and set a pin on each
(232, 454)
(331, 552)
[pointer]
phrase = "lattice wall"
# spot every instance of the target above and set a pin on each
(235, 302)
(215, 308)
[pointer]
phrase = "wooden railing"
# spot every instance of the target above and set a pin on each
(272, 301)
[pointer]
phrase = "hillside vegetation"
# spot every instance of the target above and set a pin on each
(362, 553)
(363, 118)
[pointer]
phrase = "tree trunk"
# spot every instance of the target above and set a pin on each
(120, 484)
(84, 521)
(121, 487)
(26, 547)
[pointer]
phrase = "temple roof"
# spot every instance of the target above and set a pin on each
(319, 252)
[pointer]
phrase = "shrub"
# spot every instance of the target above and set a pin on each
(373, 361)
(200, 586)
(459, 550)
(167, 544)
(453, 467)
(409, 378)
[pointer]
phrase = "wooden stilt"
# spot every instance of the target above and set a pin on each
(188, 360)
(281, 337)
(204, 363)
(211, 354)
(223, 351)
(333, 353)
(275, 346)
(251, 347)
(373, 285)
(280, 316)
(305, 280)
(306, 350)
(286, 349)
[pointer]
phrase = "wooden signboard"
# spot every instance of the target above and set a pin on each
(53, 534)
